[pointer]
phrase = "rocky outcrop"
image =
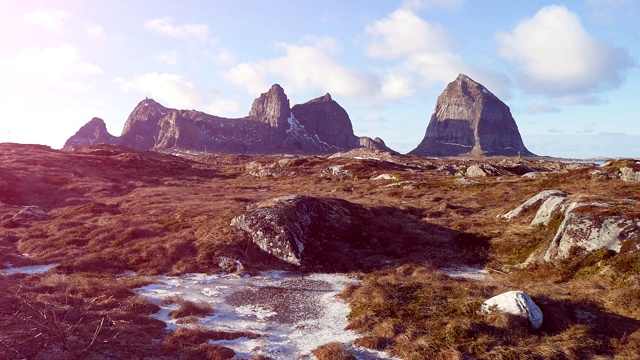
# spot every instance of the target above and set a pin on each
(516, 303)
(304, 231)
(533, 201)
(470, 120)
(93, 132)
(589, 231)
(586, 225)
(271, 127)
(629, 174)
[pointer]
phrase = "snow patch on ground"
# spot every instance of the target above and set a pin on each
(294, 312)
(467, 272)
(31, 270)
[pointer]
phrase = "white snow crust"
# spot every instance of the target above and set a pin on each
(294, 312)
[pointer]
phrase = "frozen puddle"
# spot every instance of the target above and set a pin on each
(294, 312)
(31, 270)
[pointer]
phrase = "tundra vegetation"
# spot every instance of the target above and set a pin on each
(110, 217)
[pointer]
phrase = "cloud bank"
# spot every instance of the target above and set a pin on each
(555, 56)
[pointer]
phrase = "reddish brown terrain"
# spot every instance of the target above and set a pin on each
(393, 221)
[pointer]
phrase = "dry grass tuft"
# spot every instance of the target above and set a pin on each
(190, 308)
(332, 351)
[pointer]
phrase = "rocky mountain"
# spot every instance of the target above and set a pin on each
(470, 120)
(93, 132)
(272, 126)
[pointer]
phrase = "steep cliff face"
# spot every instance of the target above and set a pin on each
(143, 125)
(330, 124)
(316, 127)
(469, 119)
(93, 132)
(271, 107)
(327, 119)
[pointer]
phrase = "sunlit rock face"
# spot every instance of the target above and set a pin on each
(470, 120)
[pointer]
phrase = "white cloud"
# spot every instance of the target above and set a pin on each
(303, 68)
(420, 4)
(169, 58)
(95, 32)
(47, 18)
(175, 91)
(52, 64)
(397, 86)
(555, 55)
(223, 57)
(189, 31)
(402, 34)
(436, 67)
(423, 51)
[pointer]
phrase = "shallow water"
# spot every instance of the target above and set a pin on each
(294, 312)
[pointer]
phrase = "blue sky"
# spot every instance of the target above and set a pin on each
(568, 70)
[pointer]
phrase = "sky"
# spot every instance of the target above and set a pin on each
(569, 70)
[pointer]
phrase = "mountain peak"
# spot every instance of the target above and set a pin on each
(271, 107)
(93, 132)
(470, 120)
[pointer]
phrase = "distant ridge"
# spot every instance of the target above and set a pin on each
(320, 126)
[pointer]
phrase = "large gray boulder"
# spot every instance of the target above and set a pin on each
(516, 303)
(310, 233)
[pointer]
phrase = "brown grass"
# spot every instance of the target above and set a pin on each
(417, 313)
(107, 212)
(190, 308)
(332, 351)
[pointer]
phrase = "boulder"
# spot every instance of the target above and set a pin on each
(532, 175)
(307, 232)
(470, 120)
(517, 303)
(481, 171)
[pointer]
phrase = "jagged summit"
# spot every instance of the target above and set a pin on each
(320, 126)
(272, 107)
(470, 120)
